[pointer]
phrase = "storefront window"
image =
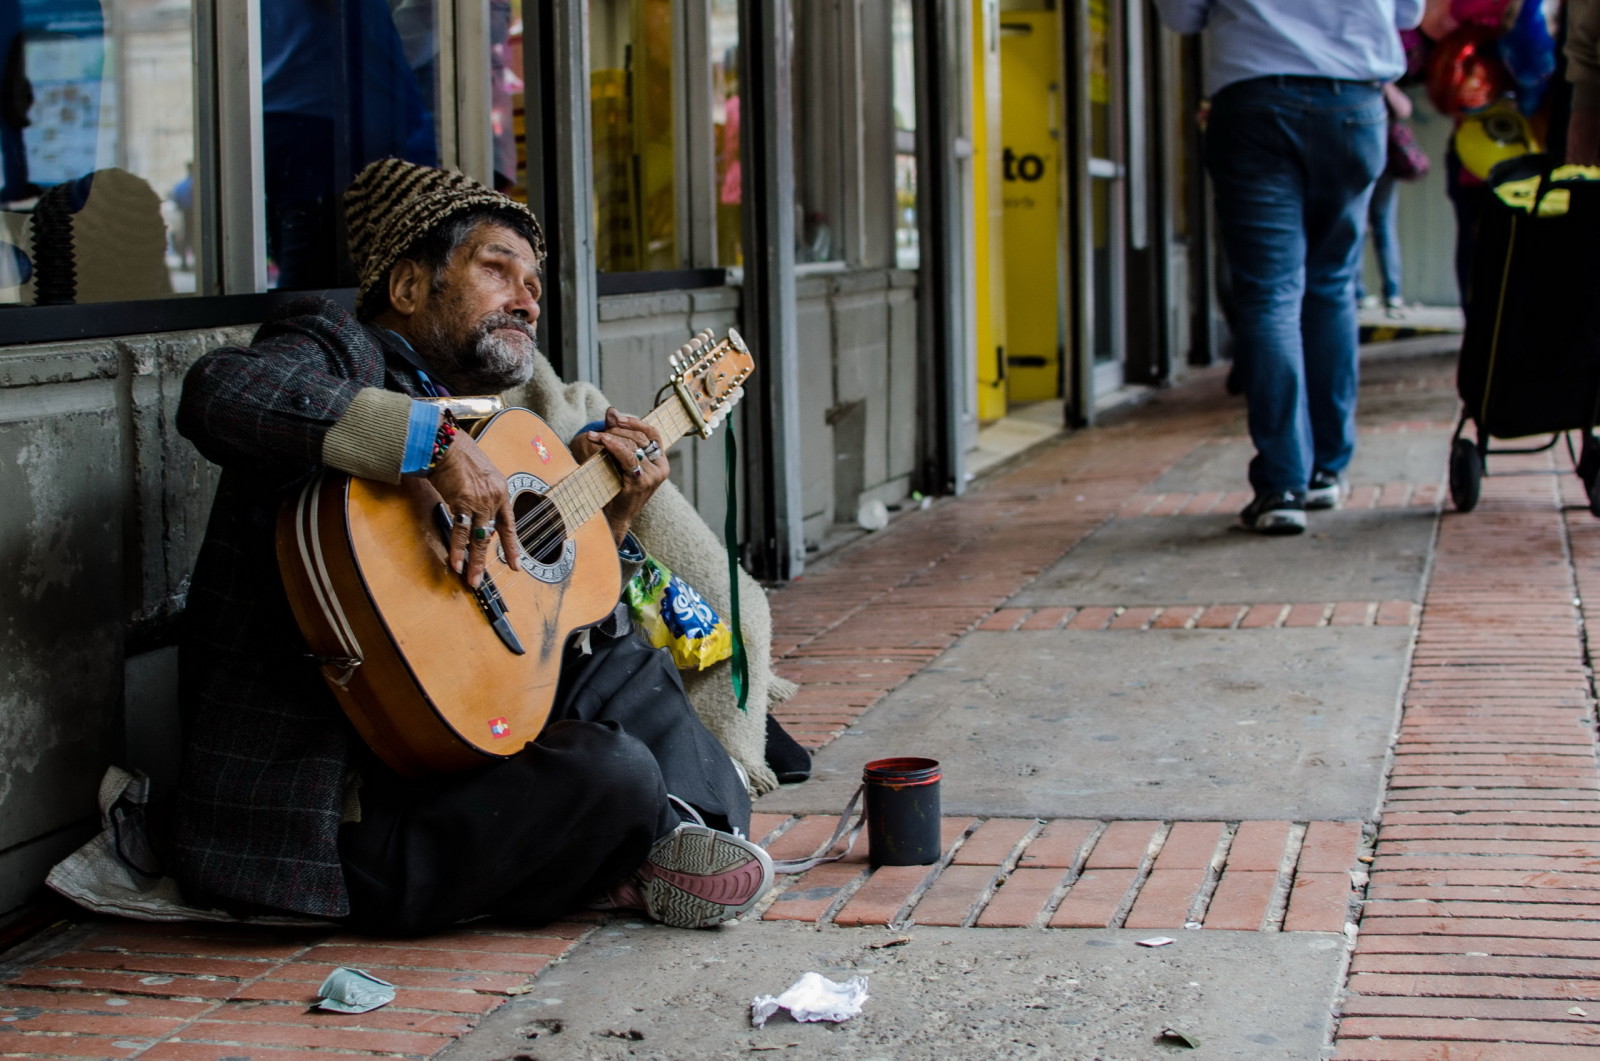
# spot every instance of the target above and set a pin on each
(906, 248)
(633, 117)
(343, 83)
(725, 115)
(819, 136)
(97, 145)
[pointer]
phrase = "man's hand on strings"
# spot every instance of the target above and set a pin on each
(480, 506)
(641, 461)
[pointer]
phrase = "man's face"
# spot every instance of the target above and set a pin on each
(474, 326)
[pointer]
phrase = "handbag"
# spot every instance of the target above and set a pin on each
(1406, 160)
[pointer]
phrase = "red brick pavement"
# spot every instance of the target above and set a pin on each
(1481, 923)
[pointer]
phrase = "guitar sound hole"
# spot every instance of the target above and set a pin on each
(539, 527)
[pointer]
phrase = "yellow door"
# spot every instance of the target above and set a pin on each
(989, 214)
(1030, 172)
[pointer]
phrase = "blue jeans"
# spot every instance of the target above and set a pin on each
(1381, 215)
(1292, 161)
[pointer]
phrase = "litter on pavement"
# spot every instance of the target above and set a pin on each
(813, 997)
(353, 991)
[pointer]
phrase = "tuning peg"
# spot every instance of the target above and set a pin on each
(707, 334)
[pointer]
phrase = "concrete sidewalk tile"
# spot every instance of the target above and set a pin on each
(1241, 900)
(1021, 898)
(1094, 618)
(1059, 845)
(1165, 899)
(1047, 619)
(954, 895)
(1175, 617)
(1189, 845)
(814, 891)
(1258, 846)
(1303, 615)
(1122, 845)
(1329, 847)
(992, 843)
(882, 896)
(1318, 902)
(1094, 899)
(1219, 617)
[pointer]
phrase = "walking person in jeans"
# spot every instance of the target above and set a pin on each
(1296, 139)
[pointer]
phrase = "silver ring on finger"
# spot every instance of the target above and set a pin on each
(483, 531)
(638, 470)
(640, 455)
(652, 451)
(463, 519)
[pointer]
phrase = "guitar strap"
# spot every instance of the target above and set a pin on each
(730, 534)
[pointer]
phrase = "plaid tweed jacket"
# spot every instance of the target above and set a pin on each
(256, 818)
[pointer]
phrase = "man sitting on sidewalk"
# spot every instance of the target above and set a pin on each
(623, 799)
(1295, 139)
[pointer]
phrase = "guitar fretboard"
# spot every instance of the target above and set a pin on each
(597, 480)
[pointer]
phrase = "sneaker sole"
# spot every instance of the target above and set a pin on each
(1329, 497)
(1278, 521)
(699, 877)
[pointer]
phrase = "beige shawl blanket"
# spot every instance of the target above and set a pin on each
(673, 532)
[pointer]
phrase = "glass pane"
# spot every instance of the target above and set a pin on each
(631, 94)
(906, 249)
(725, 130)
(97, 142)
(508, 110)
(1100, 145)
(344, 82)
(817, 128)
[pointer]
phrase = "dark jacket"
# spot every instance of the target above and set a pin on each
(256, 818)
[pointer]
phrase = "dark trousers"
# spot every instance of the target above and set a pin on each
(529, 838)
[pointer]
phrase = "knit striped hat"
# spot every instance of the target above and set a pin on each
(393, 203)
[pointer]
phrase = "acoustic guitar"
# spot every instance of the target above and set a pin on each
(437, 676)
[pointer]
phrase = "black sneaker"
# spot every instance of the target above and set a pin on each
(1327, 490)
(1278, 512)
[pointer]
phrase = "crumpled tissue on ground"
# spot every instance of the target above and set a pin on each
(813, 997)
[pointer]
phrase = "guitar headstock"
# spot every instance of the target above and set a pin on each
(708, 377)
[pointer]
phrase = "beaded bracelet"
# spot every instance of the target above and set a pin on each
(442, 440)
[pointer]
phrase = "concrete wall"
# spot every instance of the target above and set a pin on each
(104, 509)
(105, 506)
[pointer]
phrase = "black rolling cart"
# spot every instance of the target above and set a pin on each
(1530, 356)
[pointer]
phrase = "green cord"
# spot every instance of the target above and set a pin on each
(741, 667)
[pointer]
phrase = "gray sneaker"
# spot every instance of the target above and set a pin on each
(696, 877)
(1275, 512)
(1327, 490)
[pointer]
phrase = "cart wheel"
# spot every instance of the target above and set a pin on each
(1466, 475)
